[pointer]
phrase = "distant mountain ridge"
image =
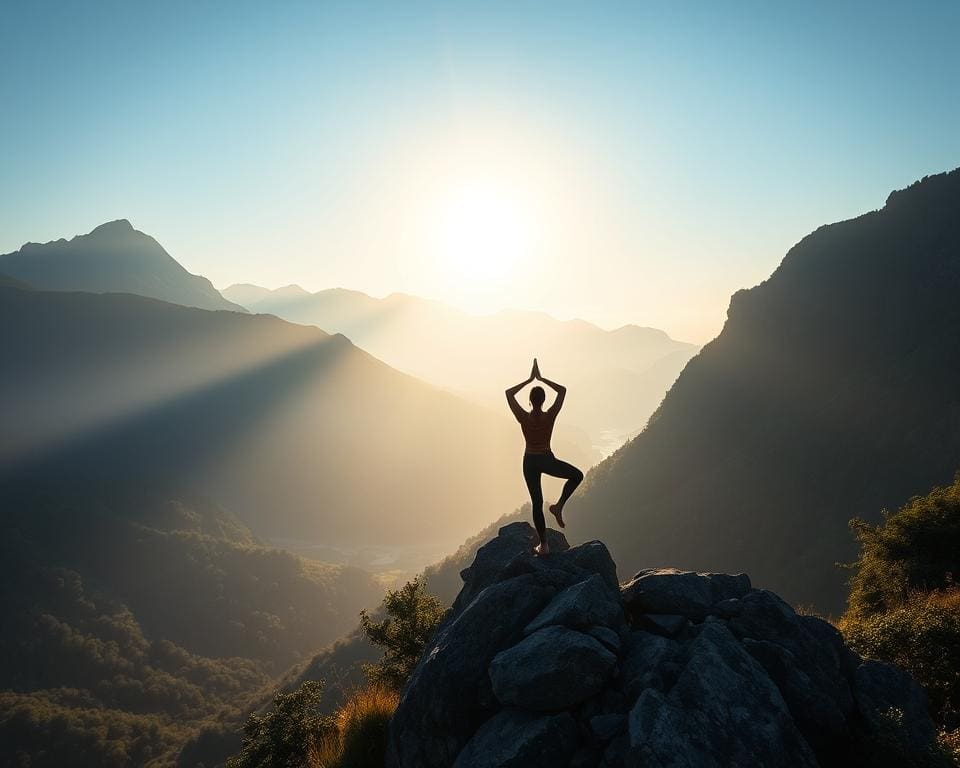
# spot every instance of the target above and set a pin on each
(833, 391)
(297, 432)
(616, 378)
(113, 258)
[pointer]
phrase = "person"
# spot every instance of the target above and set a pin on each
(538, 459)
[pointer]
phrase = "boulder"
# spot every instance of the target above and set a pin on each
(517, 739)
(666, 624)
(889, 698)
(689, 594)
(606, 636)
(649, 661)
(723, 712)
(552, 669)
(535, 664)
(512, 541)
(588, 602)
(605, 727)
(591, 557)
(453, 670)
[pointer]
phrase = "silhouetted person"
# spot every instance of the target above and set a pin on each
(538, 459)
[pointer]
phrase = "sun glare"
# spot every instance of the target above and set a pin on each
(483, 231)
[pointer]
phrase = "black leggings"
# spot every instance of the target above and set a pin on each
(537, 464)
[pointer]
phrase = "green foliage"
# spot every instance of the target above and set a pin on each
(67, 729)
(126, 641)
(904, 607)
(412, 617)
(949, 742)
(916, 549)
(888, 747)
(284, 736)
(921, 635)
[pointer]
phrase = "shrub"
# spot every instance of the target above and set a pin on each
(361, 731)
(412, 618)
(922, 635)
(284, 736)
(915, 549)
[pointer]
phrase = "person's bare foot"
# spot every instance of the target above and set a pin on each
(557, 511)
(542, 549)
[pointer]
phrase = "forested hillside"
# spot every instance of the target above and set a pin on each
(128, 623)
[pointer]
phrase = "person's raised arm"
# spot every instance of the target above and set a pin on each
(561, 394)
(511, 394)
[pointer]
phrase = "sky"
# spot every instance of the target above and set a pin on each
(623, 163)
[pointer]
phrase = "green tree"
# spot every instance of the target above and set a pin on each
(284, 736)
(412, 618)
(917, 549)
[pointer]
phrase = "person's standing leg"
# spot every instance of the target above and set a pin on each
(531, 475)
(572, 475)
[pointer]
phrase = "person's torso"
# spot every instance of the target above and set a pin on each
(537, 429)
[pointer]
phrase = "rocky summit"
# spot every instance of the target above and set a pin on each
(552, 662)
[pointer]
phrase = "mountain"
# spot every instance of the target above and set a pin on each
(113, 258)
(832, 392)
(129, 621)
(616, 378)
(297, 432)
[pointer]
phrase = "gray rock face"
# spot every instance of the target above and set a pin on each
(723, 711)
(586, 603)
(538, 664)
(552, 669)
(517, 739)
(454, 671)
(513, 541)
(885, 692)
(694, 595)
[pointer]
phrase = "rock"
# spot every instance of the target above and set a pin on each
(512, 541)
(606, 636)
(517, 739)
(689, 594)
(802, 655)
(723, 712)
(552, 669)
(605, 727)
(649, 661)
(588, 756)
(616, 752)
(592, 557)
(819, 713)
(585, 603)
(535, 664)
(666, 624)
(453, 670)
(888, 697)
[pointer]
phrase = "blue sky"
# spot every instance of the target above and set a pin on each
(644, 160)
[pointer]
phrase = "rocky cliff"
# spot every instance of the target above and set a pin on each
(552, 662)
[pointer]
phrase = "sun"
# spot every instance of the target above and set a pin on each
(483, 230)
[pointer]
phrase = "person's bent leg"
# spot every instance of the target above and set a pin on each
(531, 475)
(571, 474)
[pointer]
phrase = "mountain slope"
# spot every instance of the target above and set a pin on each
(833, 391)
(617, 378)
(126, 621)
(113, 258)
(299, 433)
